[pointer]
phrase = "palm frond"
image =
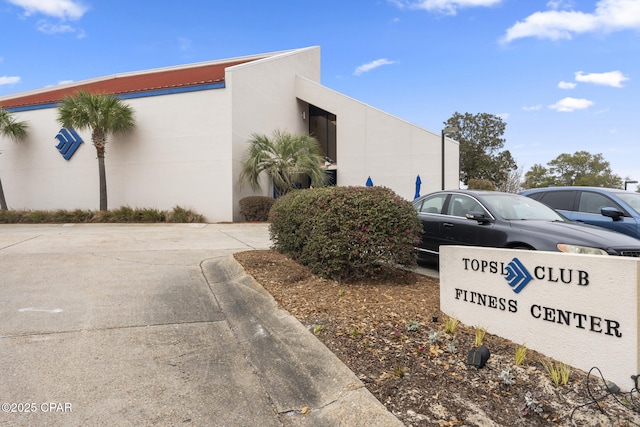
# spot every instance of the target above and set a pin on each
(284, 158)
(85, 110)
(11, 128)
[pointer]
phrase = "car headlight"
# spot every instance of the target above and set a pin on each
(575, 249)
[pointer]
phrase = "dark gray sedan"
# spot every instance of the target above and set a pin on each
(506, 220)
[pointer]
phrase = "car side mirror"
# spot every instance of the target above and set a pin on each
(478, 216)
(612, 213)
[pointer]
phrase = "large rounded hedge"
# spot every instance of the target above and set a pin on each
(345, 232)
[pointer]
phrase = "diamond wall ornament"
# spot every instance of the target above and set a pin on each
(69, 141)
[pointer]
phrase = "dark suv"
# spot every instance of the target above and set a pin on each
(615, 209)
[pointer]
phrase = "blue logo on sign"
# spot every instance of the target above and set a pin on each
(69, 141)
(517, 276)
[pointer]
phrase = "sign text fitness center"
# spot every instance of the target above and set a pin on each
(518, 277)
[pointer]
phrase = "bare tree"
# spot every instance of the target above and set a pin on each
(513, 183)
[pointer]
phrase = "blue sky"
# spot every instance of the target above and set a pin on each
(563, 74)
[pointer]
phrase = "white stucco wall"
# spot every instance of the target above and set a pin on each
(35, 176)
(370, 142)
(262, 100)
(178, 154)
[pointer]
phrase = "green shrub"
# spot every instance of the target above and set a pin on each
(180, 214)
(128, 214)
(481, 184)
(124, 214)
(345, 232)
(256, 208)
(10, 217)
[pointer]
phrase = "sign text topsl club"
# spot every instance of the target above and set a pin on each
(517, 277)
(562, 305)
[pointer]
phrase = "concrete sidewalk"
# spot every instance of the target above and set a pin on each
(158, 325)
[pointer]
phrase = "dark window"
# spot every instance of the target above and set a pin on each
(562, 200)
(535, 196)
(323, 125)
(593, 202)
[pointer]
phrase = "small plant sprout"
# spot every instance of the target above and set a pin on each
(558, 372)
(450, 325)
(507, 377)
(317, 329)
(341, 293)
(413, 326)
(355, 333)
(530, 405)
(521, 352)
(434, 337)
(400, 371)
(452, 346)
(480, 334)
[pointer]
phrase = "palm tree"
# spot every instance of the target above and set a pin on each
(104, 114)
(284, 158)
(15, 131)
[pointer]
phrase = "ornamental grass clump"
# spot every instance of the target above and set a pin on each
(521, 353)
(346, 233)
(480, 334)
(451, 324)
(558, 372)
(123, 214)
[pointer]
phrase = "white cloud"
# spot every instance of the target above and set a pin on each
(449, 7)
(48, 28)
(532, 108)
(60, 83)
(371, 65)
(611, 78)
(609, 16)
(571, 104)
(559, 4)
(63, 9)
(9, 80)
(567, 85)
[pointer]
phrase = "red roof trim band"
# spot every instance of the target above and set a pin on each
(155, 81)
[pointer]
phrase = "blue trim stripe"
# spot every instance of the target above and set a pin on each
(133, 95)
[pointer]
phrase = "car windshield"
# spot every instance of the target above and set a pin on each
(632, 199)
(513, 206)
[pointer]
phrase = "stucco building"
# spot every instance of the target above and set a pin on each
(192, 126)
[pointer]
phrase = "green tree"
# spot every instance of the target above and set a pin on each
(481, 184)
(14, 130)
(538, 176)
(103, 114)
(285, 158)
(580, 168)
(481, 142)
